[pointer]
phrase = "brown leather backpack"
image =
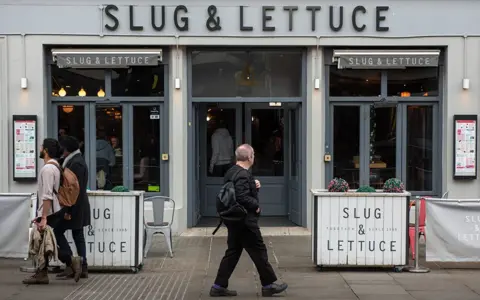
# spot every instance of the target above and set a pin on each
(69, 189)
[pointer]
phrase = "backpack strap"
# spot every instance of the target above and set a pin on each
(235, 175)
(218, 226)
(56, 164)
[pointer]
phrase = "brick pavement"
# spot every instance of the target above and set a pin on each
(190, 273)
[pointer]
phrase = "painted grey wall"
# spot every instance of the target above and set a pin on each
(4, 145)
(87, 17)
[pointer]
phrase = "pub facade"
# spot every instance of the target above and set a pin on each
(362, 91)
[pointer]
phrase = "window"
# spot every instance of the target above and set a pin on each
(77, 82)
(354, 83)
(246, 74)
(138, 82)
(413, 82)
(419, 148)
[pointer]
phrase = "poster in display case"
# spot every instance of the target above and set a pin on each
(465, 147)
(24, 148)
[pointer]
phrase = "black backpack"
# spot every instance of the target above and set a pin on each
(228, 208)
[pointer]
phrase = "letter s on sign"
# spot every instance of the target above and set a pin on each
(108, 12)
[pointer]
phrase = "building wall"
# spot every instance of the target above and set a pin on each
(23, 57)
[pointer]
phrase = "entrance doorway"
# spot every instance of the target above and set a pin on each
(121, 142)
(275, 134)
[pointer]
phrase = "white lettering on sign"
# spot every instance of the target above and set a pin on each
(388, 61)
(107, 60)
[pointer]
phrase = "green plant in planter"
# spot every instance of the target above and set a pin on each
(366, 189)
(338, 185)
(393, 185)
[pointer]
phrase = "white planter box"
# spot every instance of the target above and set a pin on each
(115, 238)
(360, 229)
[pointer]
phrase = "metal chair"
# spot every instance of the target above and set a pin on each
(158, 225)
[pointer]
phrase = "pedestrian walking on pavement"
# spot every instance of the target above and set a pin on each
(50, 211)
(80, 212)
(245, 233)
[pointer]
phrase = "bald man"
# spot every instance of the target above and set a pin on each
(245, 235)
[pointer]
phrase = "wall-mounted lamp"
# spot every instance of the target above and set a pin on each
(82, 92)
(177, 83)
(62, 92)
(316, 83)
(466, 83)
(23, 83)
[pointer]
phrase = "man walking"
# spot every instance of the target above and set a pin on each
(245, 235)
(49, 209)
(80, 212)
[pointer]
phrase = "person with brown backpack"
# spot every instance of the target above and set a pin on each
(56, 193)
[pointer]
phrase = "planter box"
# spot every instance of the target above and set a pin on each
(360, 229)
(115, 238)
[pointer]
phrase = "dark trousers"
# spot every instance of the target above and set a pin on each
(220, 170)
(248, 238)
(64, 251)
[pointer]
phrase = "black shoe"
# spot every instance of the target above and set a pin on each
(273, 289)
(221, 292)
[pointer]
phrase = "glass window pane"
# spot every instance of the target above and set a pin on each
(267, 142)
(71, 121)
(221, 140)
(419, 148)
(246, 74)
(146, 146)
(346, 144)
(294, 142)
(383, 145)
(138, 82)
(69, 82)
(354, 83)
(413, 82)
(109, 171)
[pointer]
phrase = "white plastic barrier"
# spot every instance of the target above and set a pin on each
(15, 217)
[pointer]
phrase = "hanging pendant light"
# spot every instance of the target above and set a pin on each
(67, 109)
(101, 93)
(82, 92)
(62, 92)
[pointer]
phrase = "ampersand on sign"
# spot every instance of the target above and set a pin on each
(213, 22)
(361, 231)
(90, 232)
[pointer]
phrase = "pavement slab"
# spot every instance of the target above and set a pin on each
(191, 272)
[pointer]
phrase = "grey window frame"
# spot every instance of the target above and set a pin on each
(300, 98)
(401, 103)
(127, 103)
(192, 128)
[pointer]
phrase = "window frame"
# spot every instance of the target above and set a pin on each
(401, 103)
(303, 88)
(127, 103)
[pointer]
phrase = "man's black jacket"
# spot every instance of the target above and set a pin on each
(245, 190)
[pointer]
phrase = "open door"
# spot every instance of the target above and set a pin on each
(295, 164)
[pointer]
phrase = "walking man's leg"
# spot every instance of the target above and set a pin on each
(65, 255)
(228, 264)
(256, 249)
(79, 239)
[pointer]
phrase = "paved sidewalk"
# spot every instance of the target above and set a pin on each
(190, 274)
